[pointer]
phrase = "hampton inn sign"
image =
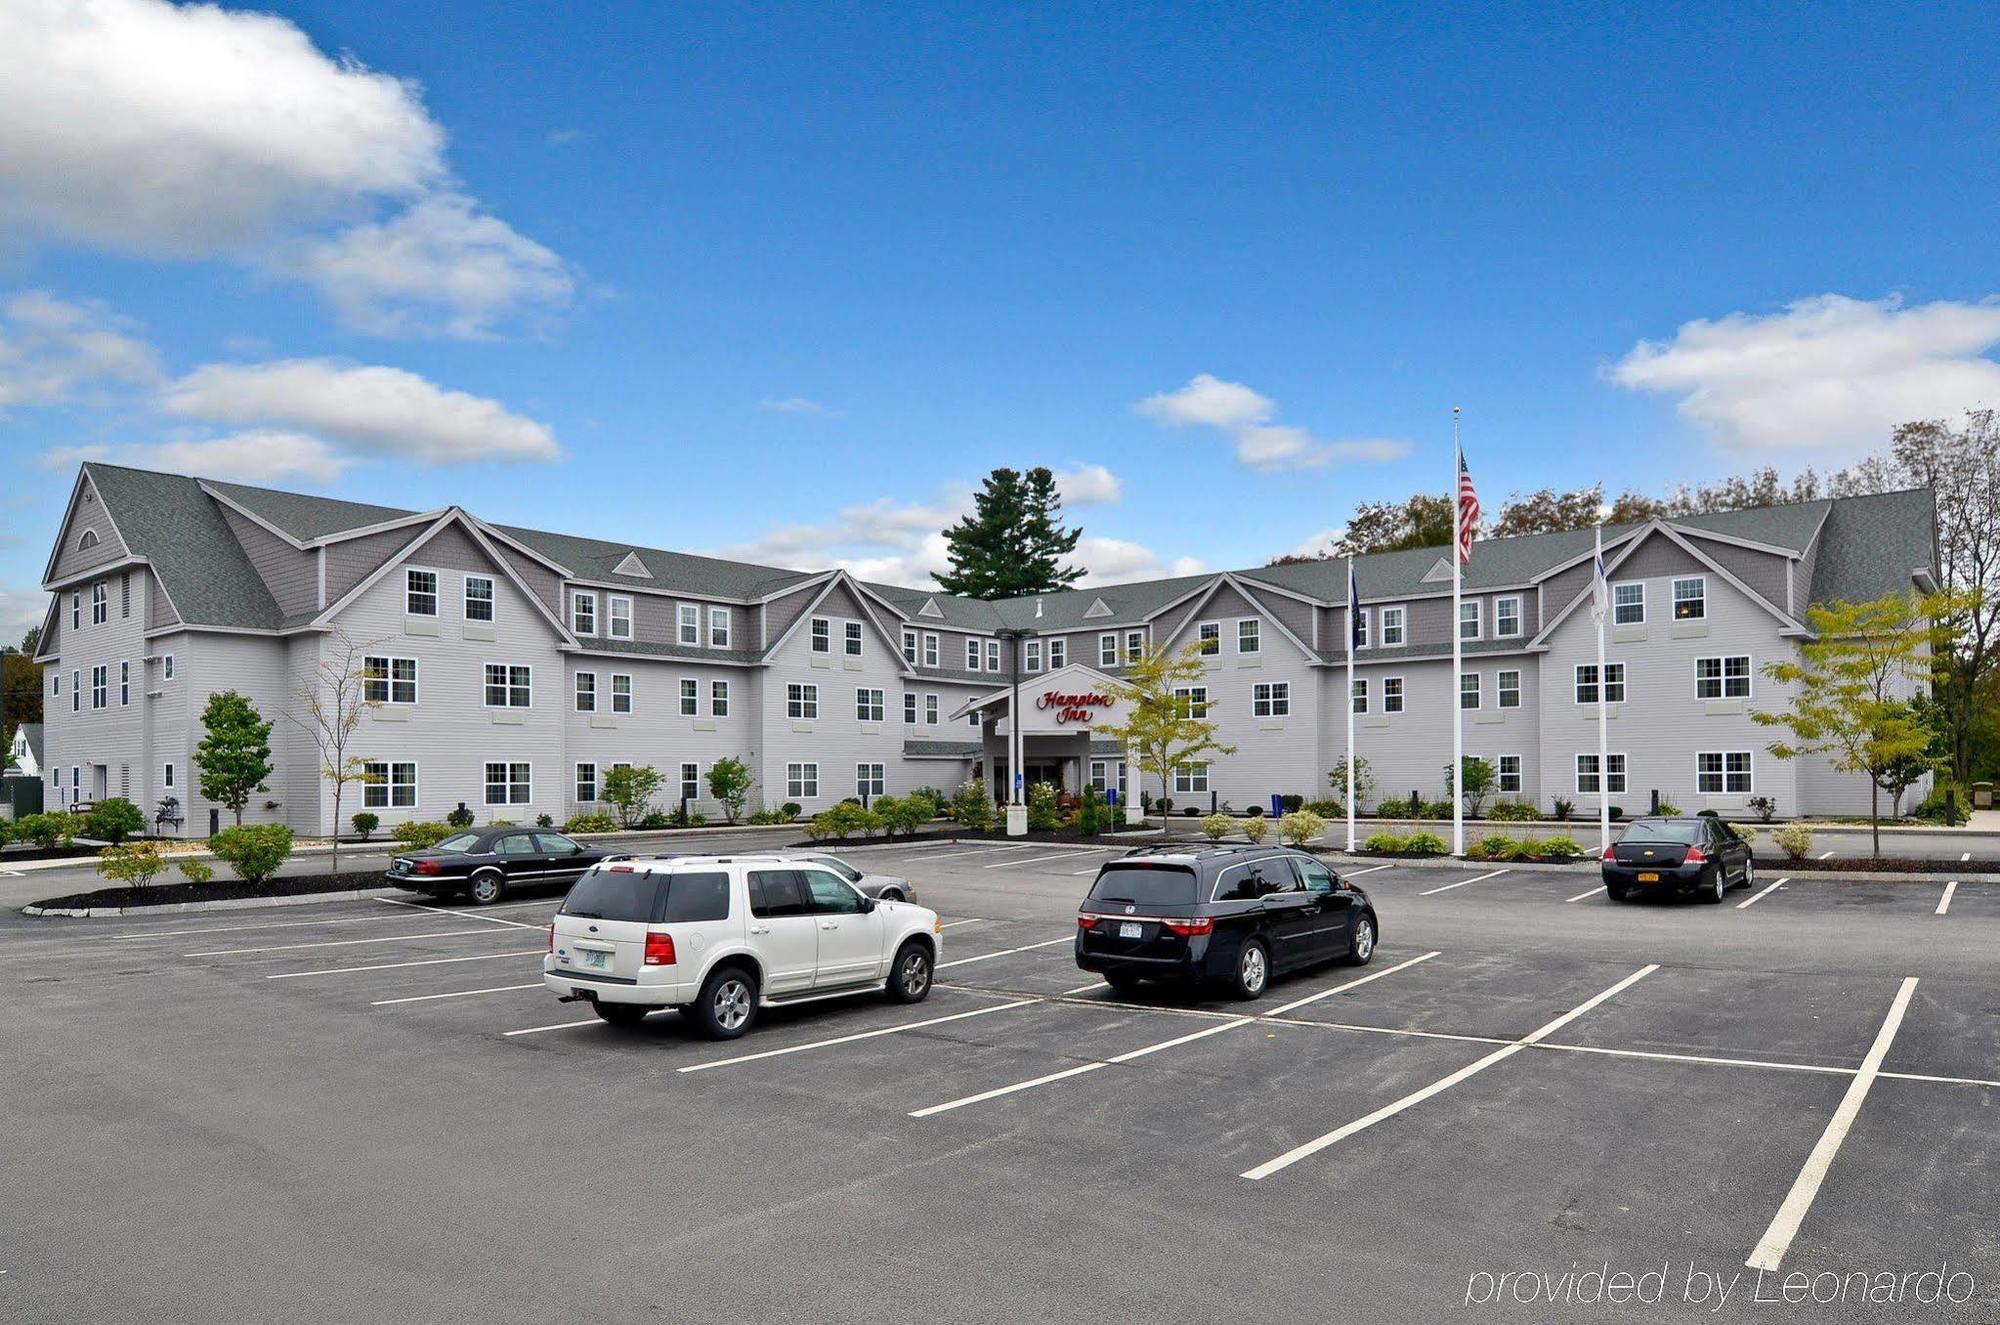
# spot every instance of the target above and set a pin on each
(1072, 708)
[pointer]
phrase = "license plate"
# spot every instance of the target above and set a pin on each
(597, 961)
(1130, 929)
(1649, 878)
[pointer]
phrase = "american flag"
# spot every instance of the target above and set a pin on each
(1468, 510)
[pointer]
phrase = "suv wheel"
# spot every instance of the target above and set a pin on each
(1253, 970)
(620, 1014)
(910, 975)
(1362, 949)
(728, 1004)
(487, 888)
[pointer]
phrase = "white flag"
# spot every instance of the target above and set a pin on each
(1600, 591)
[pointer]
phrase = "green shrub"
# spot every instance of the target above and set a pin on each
(254, 851)
(1426, 844)
(791, 810)
(1291, 804)
(1767, 808)
(1043, 816)
(1300, 827)
(1564, 807)
(971, 807)
(1093, 816)
(1434, 810)
(1256, 828)
(114, 820)
(1511, 811)
(1384, 842)
(37, 828)
(545, 821)
(906, 814)
(195, 871)
(1218, 826)
(1668, 808)
(1494, 846)
(133, 865)
(847, 819)
(459, 818)
(1255, 811)
(1795, 840)
(595, 822)
(1327, 809)
(1748, 832)
(366, 823)
(1617, 812)
(1393, 809)
(1564, 846)
(421, 833)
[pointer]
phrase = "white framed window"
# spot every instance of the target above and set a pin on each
(690, 782)
(1194, 698)
(1506, 617)
(509, 686)
(386, 680)
(1190, 779)
(1107, 650)
(972, 655)
(822, 635)
(801, 701)
(99, 684)
(1394, 631)
(718, 699)
(852, 638)
(721, 626)
(1628, 603)
(910, 707)
(1033, 654)
(1722, 678)
(910, 647)
(868, 780)
(385, 785)
(1058, 654)
(586, 692)
(867, 705)
(583, 612)
(621, 692)
(687, 624)
(1507, 688)
(1135, 645)
(509, 783)
(167, 668)
(1691, 598)
(1586, 775)
(55, 685)
(1392, 694)
(1510, 774)
(167, 776)
(992, 655)
(124, 684)
(1722, 773)
(619, 613)
(1208, 637)
(1271, 699)
(930, 649)
(972, 720)
(802, 781)
(1614, 683)
(1249, 633)
(1361, 635)
(690, 697)
(1357, 695)
(76, 611)
(76, 691)
(1468, 690)
(100, 604)
(479, 598)
(586, 783)
(420, 592)
(930, 710)
(1468, 619)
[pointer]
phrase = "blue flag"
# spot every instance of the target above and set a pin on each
(1356, 623)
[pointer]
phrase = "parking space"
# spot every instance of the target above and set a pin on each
(1518, 1078)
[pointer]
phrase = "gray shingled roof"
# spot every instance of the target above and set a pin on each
(306, 518)
(1872, 545)
(170, 521)
(595, 559)
(941, 749)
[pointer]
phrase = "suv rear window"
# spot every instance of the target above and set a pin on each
(606, 894)
(1145, 885)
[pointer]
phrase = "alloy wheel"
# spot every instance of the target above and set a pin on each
(732, 1004)
(916, 974)
(1253, 969)
(1364, 939)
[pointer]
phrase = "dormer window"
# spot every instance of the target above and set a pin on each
(420, 592)
(87, 540)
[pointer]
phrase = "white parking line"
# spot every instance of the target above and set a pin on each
(954, 851)
(1283, 1008)
(338, 943)
(456, 993)
(469, 915)
(1355, 874)
(397, 966)
(1462, 882)
(1025, 860)
(1004, 952)
(230, 929)
(973, 921)
(1967, 856)
(1317, 1144)
(554, 1026)
(1753, 900)
(1944, 902)
(1580, 896)
(1826, 855)
(850, 1039)
(1777, 1239)
(1084, 989)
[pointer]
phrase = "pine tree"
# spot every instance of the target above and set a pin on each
(1013, 542)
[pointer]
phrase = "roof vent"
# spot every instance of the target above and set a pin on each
(1097, 608)
(631, 565)
(1439, 572)
(931, 609)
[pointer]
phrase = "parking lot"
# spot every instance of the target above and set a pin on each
(373, 1110)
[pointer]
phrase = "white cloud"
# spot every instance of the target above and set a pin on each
(1320, 544)
(1246, 415)
(190, 131)
(796, 405)
(1829, 371)
(1088, 485)
(260, 456)
(52, 349)
(385, 410)
(1115, 561)
(20, 609)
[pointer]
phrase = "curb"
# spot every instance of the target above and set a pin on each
(222, 904)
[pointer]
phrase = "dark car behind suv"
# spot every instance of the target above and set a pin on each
(485, 864)
(1700, 855)
(1224, 916)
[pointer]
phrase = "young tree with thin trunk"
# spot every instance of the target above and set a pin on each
(234, 758)
(334, 700)
(1159, 729)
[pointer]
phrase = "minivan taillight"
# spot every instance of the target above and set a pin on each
(659, 950)
(1190, 926)
(1086, 922)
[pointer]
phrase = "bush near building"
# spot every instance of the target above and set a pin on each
(254, 851)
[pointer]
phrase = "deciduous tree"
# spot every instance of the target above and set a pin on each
(1159, 729)
(234, 758)
(334, 700)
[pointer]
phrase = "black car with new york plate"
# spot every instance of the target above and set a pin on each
(485, 864)
(1231, 917)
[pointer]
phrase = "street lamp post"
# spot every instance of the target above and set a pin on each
(1017, 741)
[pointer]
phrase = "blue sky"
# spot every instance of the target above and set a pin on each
(782, 281)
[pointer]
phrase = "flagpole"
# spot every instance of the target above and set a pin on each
(1457, 656)
(1603, 712)
(1353, 598)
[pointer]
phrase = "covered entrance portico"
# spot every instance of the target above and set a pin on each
(1055, 742)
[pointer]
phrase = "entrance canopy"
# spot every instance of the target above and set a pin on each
(1066, 702)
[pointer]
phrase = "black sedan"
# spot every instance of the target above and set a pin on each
(1702, 856)
(485, 864)
(1231, 917)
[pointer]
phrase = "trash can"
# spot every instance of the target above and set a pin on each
(1982, 795)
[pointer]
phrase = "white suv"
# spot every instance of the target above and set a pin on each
(719, 937)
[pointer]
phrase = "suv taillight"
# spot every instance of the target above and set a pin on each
(552, 936)
(659, 950)
(1190, 926)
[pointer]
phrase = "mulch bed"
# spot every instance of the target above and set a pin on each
(15, 854)
(1891, 865)
(1060, 835)
(217, 890)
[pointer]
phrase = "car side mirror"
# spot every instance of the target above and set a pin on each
(867, 905)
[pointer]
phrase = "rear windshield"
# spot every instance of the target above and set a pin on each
(1145, 885)
(458, 842)
(1663, 830)
(604, 893)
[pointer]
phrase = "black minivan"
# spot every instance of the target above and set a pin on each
(1222, 916)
